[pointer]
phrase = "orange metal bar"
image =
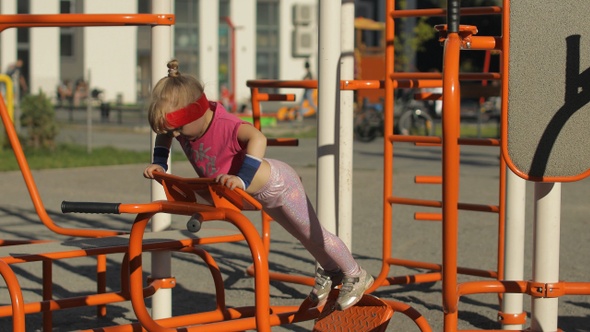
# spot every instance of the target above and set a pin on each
(47, 293)
(61, 20)
(16, 297)
(262, 294)
(428, 179)
(427, 216)
(443, 12)
(451, 129)
(82, 20)
(439, 204)
(387, 144)
(32, 187)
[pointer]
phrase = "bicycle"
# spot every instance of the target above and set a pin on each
(414, 118)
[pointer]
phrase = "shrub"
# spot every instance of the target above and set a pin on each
(38, 118)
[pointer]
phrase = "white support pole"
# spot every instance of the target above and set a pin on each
(514, 243)
(161, 261)
(327, 150)
(546, 254)
(346, 123)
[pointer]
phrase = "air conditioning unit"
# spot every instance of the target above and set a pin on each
(303, 14)
(304, 42)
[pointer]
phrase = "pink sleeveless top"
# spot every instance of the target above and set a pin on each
(218, 151)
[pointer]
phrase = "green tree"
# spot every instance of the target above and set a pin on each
(38, 118)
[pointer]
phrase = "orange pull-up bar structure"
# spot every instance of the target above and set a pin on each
(69, 20)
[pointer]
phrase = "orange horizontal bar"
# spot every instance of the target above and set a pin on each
(577, 288)
(275, 97)
(478, 287)
(438, 76)
(309, 84)
(415, 278)
(428, 216)
(415, 139)
(437, 140)
(313, 84)
(414, 201)
(428, 179)
(361, 84)
(80, 20)
(282, 142)
(480, 43)
(438, 204)
(466, 11)
(438, 267)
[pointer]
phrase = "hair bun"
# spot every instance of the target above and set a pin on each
(172, 72)
(173, 68)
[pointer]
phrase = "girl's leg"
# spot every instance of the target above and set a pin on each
(285, 201)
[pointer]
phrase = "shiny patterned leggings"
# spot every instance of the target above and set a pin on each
(283, 198)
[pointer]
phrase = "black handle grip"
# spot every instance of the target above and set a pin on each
(90, 207)
(453, 15)
(194, 223)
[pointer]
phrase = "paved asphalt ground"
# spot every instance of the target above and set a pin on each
(413, 240)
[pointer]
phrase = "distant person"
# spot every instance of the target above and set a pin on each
(15, 71)
(65, 93)
(221, 146)
(80, 92)
(307, 94)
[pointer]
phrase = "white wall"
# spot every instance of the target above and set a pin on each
(243, 15)
(293, 68)
(209, 48)
(110, 52)
(8, 37)
(44, 66)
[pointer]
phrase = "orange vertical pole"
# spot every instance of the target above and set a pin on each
(451, 159)
(101, 282)
(387, 142)
(255, 107)
(47, 294)
(16, 297)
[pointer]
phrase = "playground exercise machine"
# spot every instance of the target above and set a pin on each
(12, 21)
(546, 163)
(546, 152)
(201, 199)
(553, 159)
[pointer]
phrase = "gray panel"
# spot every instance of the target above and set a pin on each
(549, 88)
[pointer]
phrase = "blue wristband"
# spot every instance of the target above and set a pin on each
(161, 156)
(248, 169)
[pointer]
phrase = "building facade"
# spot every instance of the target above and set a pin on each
(222, 42)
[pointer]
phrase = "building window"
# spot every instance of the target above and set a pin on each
(66, 35)
(186, 35)
(267, 39)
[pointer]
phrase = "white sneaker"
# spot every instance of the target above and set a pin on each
(352, 290)
(324, 283)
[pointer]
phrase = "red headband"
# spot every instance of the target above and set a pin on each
(188, 114)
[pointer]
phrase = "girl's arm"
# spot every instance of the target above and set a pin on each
(160, 156)
(254, 139)
(255, 143)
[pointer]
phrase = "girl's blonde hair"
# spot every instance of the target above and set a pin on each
(172, 92)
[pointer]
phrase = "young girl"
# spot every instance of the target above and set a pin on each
(219, 145)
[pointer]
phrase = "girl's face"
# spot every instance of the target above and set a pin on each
(191, 130)
(189, 121)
